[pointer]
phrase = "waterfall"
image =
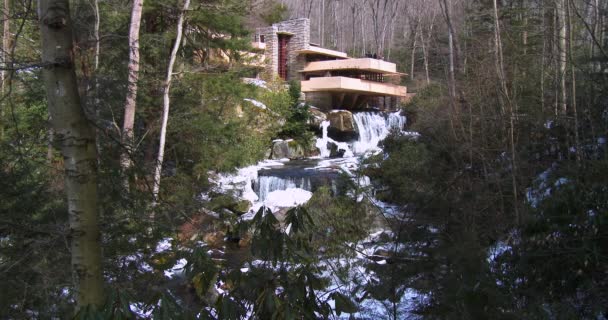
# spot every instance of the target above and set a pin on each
(267, 184)
(374, 127)
(322, 142)
(396, 121)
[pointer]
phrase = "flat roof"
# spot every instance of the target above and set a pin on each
(322, 51)
(362, 64)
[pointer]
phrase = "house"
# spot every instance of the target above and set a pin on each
(329, 79)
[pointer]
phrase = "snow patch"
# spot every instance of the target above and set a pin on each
(177, 269)
(256, 82)
(256, 103)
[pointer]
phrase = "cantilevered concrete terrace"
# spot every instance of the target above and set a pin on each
(361, 64)
(352, 85)
(314, 50)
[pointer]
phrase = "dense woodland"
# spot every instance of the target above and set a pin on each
(117, 116)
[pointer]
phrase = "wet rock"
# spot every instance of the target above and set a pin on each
(245, 241)
(317, 117)
(214, 239)
(334, 152)
(200, 223)
(290, 149)
(341, 126)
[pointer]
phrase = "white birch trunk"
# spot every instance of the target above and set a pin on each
(6, 48)
(166, 100)
(77, 140)
(133, 78)
(561, 16)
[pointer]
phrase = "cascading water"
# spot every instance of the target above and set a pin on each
(290, 183)
(374, 127)
(267, 184)
(322, 143)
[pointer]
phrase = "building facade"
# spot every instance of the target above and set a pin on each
(329, 79)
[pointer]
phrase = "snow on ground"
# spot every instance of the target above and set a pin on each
(256, 103)
(164, 245)
(256, 82)
(177, 269)
(142, 310)
(542, 188)
(351, 276)
(496, 251)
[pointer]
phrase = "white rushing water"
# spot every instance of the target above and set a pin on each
(265, 185)
(374, 127)
(323, 142)
(280, 189)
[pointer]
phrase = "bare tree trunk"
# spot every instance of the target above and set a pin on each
(414, 43)
(77, 140)
(452, 77)
(6, 44)
(391, 37)
(133, 77)
(561, 16)
(542, 63)
(505, 97)
(425, 53)
(96, 63)
(413, 60)
(322, 30)
(96, 35)
(596, 19)
(354, 26)
(577, 144)
(524, 35)
(166, 100)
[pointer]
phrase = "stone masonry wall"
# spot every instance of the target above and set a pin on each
(321, 100)
(300, 40)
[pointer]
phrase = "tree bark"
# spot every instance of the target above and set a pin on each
(131, 98)
(577, 144)
(504, 97)
(452, 77)
(77, 140)
(96, 101)
(6, 45)
(542, 61)
(415, 42)
(425, 54)
(561, 17)
(166, 100)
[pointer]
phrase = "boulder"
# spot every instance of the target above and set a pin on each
(317, 117)
(287, 149)
(334, 152)
(341, 126)
(242, 206)
(214, 239)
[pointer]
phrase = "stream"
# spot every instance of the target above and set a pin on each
(282, 184)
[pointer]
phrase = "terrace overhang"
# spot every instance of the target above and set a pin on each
(352, 85)
(322, 51)
(362, 64)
